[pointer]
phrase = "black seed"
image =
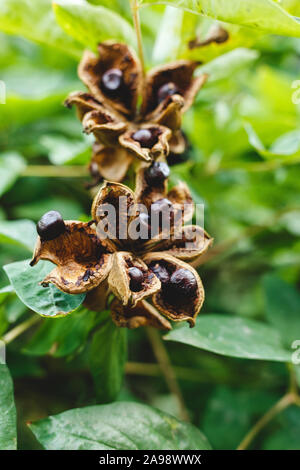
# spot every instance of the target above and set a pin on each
(136, 279)
(161, 272)
(182, 284)
(157, 173)
(168, 89)
(145, 137)
(50, 226)
(112, 81)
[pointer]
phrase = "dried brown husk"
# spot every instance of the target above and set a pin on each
(181, 74)
(177, 143)
(84, 103)
(82, 261)
(112, 162)
(110, 193)
(194, 242)
(113, 55)
(176, 311)
(105, 126)
(161, 148)
(119, 279)
(143, 314)
(96, 299)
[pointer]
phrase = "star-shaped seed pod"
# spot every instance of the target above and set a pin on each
(115, 81)
(139, 257)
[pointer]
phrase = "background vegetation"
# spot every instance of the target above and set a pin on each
(242, 163)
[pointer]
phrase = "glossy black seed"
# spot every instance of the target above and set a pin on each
(112, 81)
(168, 89)
(136, 279)
(182, 284)
(161, 272)
(145, 137)
(157, 173)
(50, 226)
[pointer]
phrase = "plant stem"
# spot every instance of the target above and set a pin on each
(19, 329)
(165, 365)
(281, 405)
(154, 370)
(52, 171)
(137, 27)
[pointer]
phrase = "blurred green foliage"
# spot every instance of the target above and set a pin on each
(242, 163)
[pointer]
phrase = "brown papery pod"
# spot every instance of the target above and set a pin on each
(143, 314)
(113, 56)
(180, 73)
(160, 147)
(82, 261)
(176, 307)
(120, 281)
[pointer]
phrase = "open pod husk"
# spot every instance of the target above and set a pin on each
(143, 314)
(119, 279)
(82, 261)
(188, 307)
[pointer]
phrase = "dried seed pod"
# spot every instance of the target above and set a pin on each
(82, 261)
(112, 163)
(84, 103)
(177, 144)
(143, 314)
(120, 198)
(105, 126)
(182, 200)
(179, 73)
(169, 113)
(192, 244)
(96, 299)
(93, 71)
(175, 302)
(120, 279)
(160, 137)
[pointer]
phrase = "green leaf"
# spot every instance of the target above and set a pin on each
(292, 6)
(285, 149)
(62, 336)
(118, 426)
(107, 359)
(11, 166)
(230, 413)
(8, 427)
(20, 110)
(49, 301)
(35, 21)
(6, 292)
(228, 64)
(92, 24)
(282, 308)
(64, 151)
(233, 336)
(264, 15)
(18, 232)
